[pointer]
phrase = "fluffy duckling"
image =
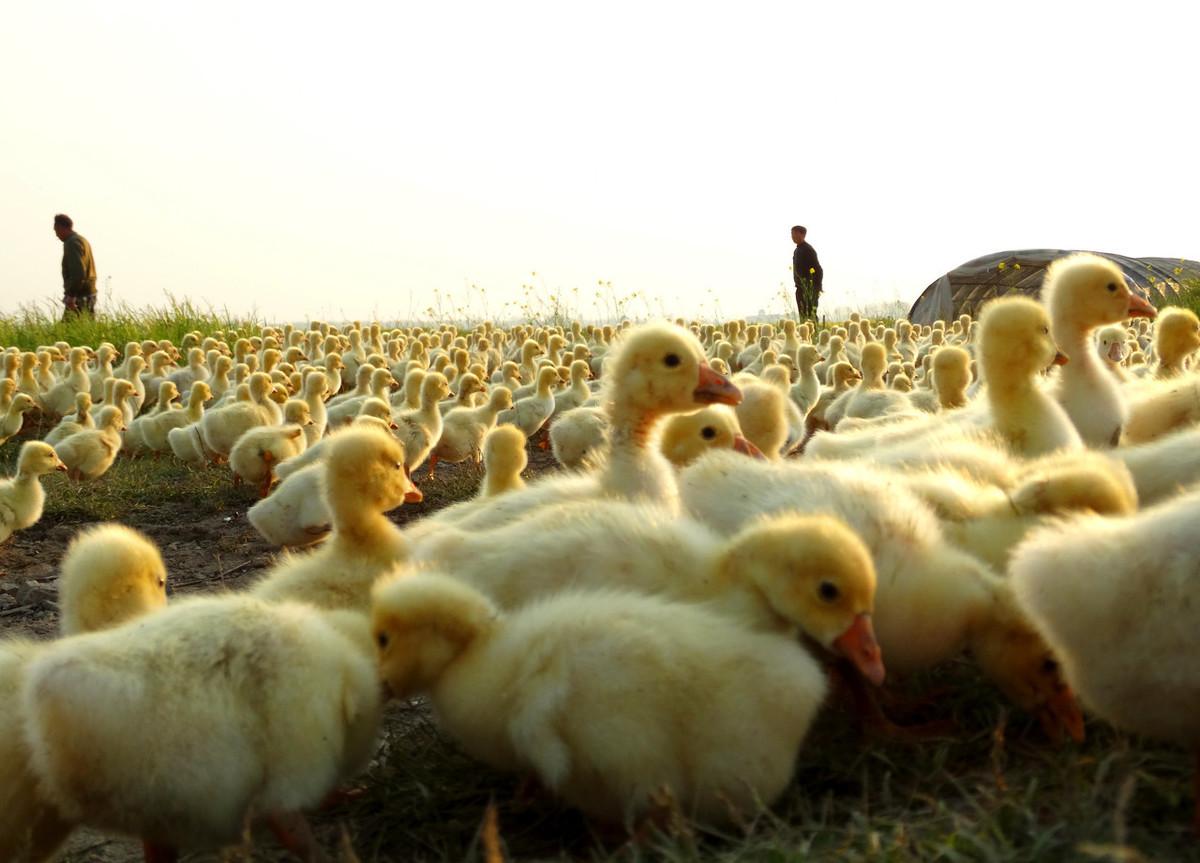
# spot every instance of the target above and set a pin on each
(22, 497)
(60, 399)
(365, 478)
(762, 416)
(1084, 292)
(420, 430)
(844, 377)
(778, 377)
(134, 441)
(1110, 347)
(196, 371)
(316, 385)
(79, 421)
(102, 595)
(8, 389)
(1118, 601)
(110, 574)
(379, 383)
(504, 458)
(295, 514)
(951, 371)
(14, 417)
(255, 454)
(686, 437)
(466, 387)
(1014, 347)
(89, 454)
(546, 689)
(807, 388)
(784, 574)
(529, 414)
(657, 370)
(871, 397)
(375, 413)
(577, 391)
(201, 717)
(1176, 338)
(221, 428)
(155, 431)
(463, 430)
(579, 438)
(933, 601)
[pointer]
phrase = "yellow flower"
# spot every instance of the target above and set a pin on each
(812, 270)
(1179, 271)
(1016, 266)
(1003, 265)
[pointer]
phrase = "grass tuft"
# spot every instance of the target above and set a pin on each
(39, 324)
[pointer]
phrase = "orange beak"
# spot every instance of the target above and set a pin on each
(1061, 713)
(1060, 359)
(858, 644)
(714, 388)
(1139, 307)
(740, 444)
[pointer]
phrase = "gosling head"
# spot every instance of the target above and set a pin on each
(110, 574)
(421, 624)
(365, 467)
(111, 418)
(1084, 291)
(1014, 656)
(686, 437)
(814, 572)
(660, 368)
(434, 388)
(1176, 334)
(1015, 342)
(38, 458)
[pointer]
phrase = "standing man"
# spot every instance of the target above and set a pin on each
(807, 272)
(78, 269)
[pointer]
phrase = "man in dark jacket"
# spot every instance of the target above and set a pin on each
(78, 269)
(807, 272)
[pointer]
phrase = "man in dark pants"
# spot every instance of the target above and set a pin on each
(807, 272)
(78, 269)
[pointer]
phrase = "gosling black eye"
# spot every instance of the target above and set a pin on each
(1112, 287)
(1045, 331)
(708, 432)
(382, 639)
(1049, 666)
(671, 360)
(828, 591)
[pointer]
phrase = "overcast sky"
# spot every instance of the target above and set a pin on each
(349, 159)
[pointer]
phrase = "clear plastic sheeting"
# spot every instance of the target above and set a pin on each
(967, 287)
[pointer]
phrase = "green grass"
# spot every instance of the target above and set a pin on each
(42, 324)
(1189, 295)
(133, 489)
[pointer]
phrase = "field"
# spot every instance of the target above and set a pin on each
(989, 787)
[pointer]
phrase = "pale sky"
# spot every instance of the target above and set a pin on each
(347, 160)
